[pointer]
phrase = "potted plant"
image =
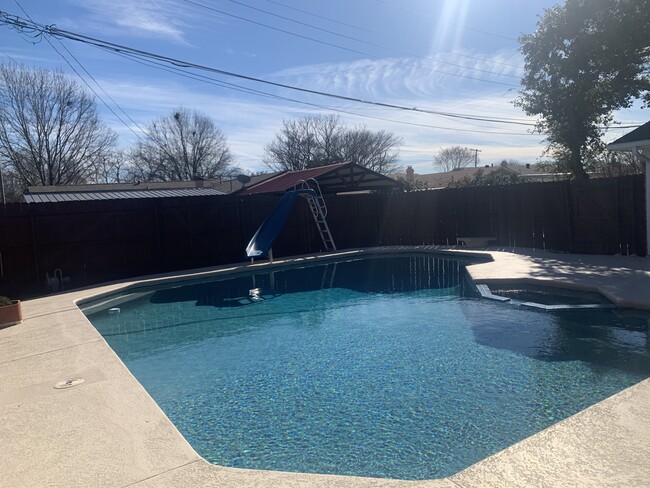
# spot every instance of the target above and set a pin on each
(10, 312)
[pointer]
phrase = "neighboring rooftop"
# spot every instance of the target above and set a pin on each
(639, 137)
(121, 191)
(84, 196)
(530, 172)
(334, 178)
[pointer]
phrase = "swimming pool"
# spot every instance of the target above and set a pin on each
(387, 367)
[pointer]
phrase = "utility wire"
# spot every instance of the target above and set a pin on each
(40, 30)
(236, 2)
(337, 46)
(10, 58)
(22, 24)
(239, 88)
(105, 93)
(420, 15)
(84, 80)
(329, 19)
(319, 16)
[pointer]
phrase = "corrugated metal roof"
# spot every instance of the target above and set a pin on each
(334, 178)
(84, 196)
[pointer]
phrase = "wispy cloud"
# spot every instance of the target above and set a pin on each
(153, 18)
(25, 56)
(251, 123)
(403, 77)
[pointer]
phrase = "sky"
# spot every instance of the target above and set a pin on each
(445, 56)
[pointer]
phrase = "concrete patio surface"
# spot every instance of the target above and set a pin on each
(107, 430)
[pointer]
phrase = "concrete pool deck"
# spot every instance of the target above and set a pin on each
(107, 431)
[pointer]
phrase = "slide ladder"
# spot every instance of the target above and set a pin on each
(261, 243)
(318, 210)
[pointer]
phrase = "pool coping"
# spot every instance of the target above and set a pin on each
(107, 431)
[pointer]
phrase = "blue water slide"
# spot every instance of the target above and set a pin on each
(268, 232)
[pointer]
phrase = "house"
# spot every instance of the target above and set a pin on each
(446, 179)
(638, 142)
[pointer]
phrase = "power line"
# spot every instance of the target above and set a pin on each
(359, 40)
(318, 16)
(105, 93)
(239, 88)
(420, 15)
(21, 24)
(85, 82)
(329, 19)
(10, 58)
(337, 46)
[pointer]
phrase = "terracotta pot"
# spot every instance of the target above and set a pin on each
(11, 314)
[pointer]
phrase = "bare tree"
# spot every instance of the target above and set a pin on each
(374, 150)
(610, 164)
(304, 143)
(111, 168)
(455, 157)
(319, 140)
(12, 186)
(182, 146)
(50, 132)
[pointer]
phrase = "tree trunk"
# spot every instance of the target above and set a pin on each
(575, 165)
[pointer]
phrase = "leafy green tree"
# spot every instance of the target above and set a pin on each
(587, 59)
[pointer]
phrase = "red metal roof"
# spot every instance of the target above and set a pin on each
(287, 180)
(333, 178)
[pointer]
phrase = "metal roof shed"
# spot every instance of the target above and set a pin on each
(115, 191)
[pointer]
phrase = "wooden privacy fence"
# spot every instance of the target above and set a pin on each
(600, 216)
(96, 241)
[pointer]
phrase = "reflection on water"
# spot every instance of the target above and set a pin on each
(382, 367)
(197, 311)
(603, 338)
(366, 276)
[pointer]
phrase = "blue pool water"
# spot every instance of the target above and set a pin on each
(385, 367)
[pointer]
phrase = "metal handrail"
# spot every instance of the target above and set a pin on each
(306, 184)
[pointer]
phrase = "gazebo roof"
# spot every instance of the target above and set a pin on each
(334, 178)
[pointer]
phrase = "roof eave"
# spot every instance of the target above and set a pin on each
(628, 146)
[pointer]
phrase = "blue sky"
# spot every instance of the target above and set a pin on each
(456, 56)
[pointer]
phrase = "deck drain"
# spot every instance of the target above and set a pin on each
(69, 383)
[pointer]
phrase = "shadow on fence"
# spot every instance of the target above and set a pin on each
(92, 242)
